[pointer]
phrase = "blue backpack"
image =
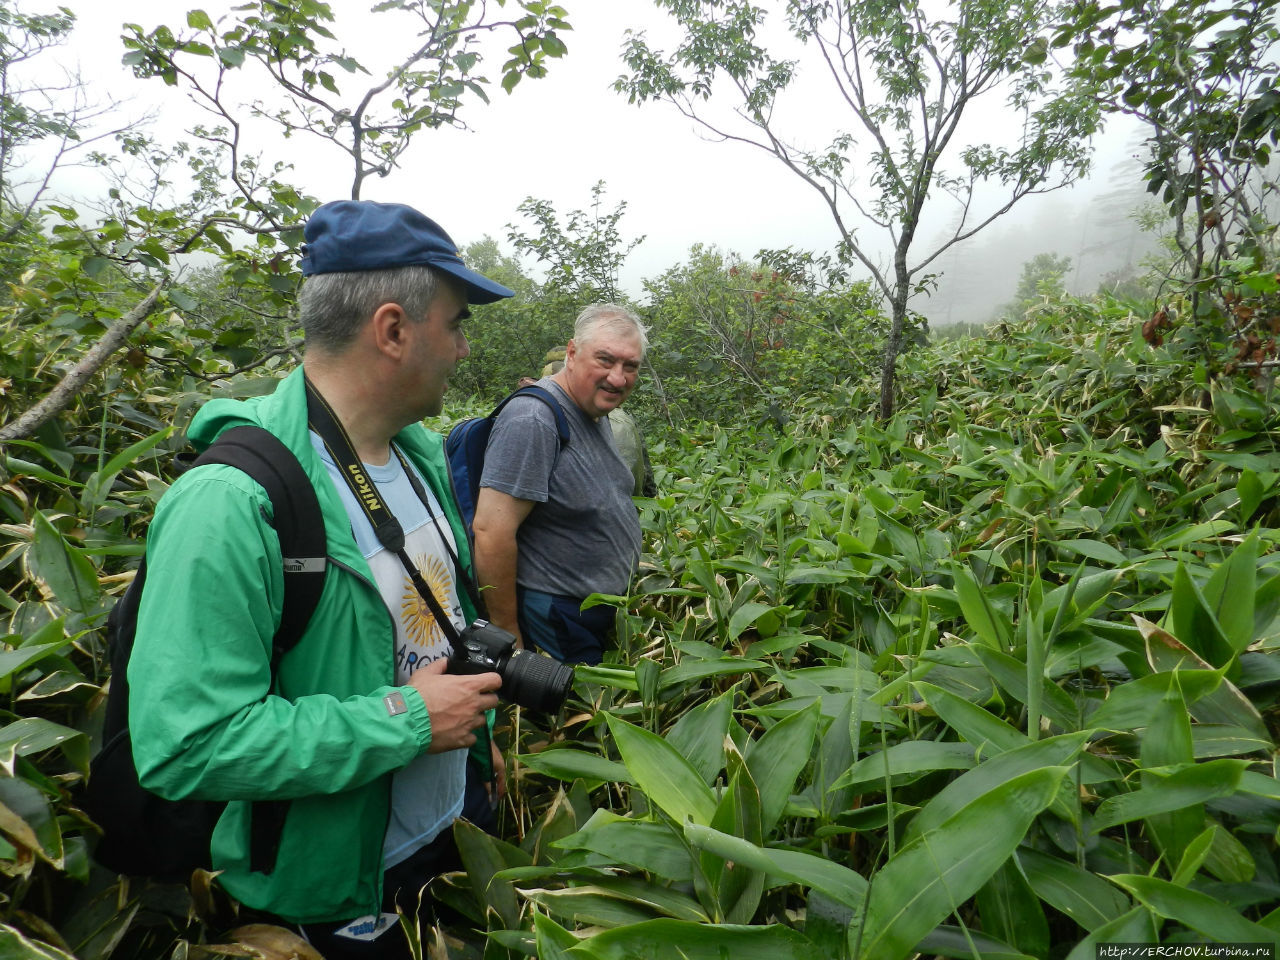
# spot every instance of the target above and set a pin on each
(466, 444)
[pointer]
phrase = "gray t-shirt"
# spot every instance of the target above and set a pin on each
(583, 534)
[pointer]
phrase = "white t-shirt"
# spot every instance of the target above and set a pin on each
(426, 796)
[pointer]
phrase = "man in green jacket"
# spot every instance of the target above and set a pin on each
(362, 733)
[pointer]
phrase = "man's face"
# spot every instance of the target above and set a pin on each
(438, 345)
(601, 372)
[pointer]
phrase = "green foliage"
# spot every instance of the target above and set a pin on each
(754, 337)
(1041, 282)
(512, 339)
(1201, 77)
(909, 680)
(993, 676)
(903, 86)
(582, 258)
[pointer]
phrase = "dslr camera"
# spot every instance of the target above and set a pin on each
(529, 679)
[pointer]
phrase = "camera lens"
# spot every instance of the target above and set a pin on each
(536, 681)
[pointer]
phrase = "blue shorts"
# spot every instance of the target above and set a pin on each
(562, 628)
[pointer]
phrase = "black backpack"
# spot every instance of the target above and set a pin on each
(466, 444)
(146, 835)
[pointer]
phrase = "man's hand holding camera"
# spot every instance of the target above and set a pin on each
(456, 703)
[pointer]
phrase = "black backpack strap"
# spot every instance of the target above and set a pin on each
(299, 524)
(296, 518)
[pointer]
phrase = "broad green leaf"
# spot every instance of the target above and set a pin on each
(933, 875)
(1225, 704)
(29, 820)
(990, 624)
(32, 735)
(1228, 859)
(551, 940)
(1194, 856)
(70, 575)
(911, 758)
(1131, 705)
(1194, 910)
(12, 661)
(1094, 550)
(1166, 744)
(99, 484)
(1225, 740)
(1260, 784)
(25, 468)
(989, 774)
(672, 939)
(745, 616)
(570, 763)
(839, 746)
(663, 774)
(653, 897)
(15, 945)
(776, 759)
(699, 735)
(1011, 675)
(1074, 654)
(1197, 783)
(591, 905)
(1083, 595)
(817, 873)
(609, 675)
(947, 940)
(987, 732)
(735, 892)
(1083, 896)
(1012, 913)
(1231, 590)
(1194, 622)
(1201, 531)
(1250, 490)
(1136, 926)
(483, 856)
(688, 670)
(653, 847)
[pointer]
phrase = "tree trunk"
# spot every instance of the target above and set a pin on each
(892, 347)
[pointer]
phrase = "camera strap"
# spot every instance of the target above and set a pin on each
(386, 527)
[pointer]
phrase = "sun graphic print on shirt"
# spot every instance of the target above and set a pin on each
(419, 622)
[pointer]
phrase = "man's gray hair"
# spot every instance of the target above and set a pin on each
(599, 317)
(334, 306)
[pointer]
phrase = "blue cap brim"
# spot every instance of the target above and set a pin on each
(480, 289)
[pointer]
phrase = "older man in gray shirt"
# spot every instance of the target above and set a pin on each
(555, 524)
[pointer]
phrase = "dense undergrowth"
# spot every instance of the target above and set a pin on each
(996, 677)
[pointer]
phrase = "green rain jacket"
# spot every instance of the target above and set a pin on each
(206, 722)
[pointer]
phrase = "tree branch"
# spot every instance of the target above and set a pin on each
(75, 379)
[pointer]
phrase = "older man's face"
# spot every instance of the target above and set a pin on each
(601, 372)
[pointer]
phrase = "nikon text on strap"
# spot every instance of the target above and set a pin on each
(385, 526)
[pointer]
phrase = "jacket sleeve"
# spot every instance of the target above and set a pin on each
(203, 720)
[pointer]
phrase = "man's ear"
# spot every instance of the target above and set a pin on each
(388, 329)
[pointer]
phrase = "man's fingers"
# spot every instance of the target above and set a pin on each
(488, 682)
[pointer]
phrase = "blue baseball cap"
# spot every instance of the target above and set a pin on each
(352, 235)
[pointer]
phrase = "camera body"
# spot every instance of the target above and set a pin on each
(529, 679)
